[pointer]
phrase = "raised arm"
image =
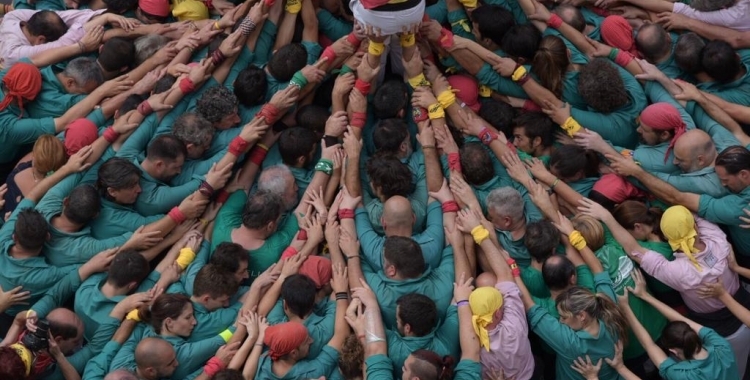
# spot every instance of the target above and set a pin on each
(626, 240)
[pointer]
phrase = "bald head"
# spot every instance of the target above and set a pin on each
(653, 42)
(572, 16)
(694, 150)
(397, 213)
(153, 352)
(66, 328)
(64, 316)
(121, 374)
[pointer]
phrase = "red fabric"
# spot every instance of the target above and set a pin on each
(529, 105)
(187, 86)
(302, 235)
(358, 120)
(238, 146)
(371, 4)
(623, 58)
(664, 117)
(450, 206)
(22, 82)
(79, 133)
(352, 39)
(454, 162)
(176, 215)
(468, 90)
(282, 338)
(289, 252)
(110, 135)
(446, 38)
(213, 366)
(346, 213)
(257, 155)
(155, 7)
(270, 113)
(617, 189)
(617, 32)
(318, 269)
(222, 196)
(362, 86)
(554, 21)
(329, 54)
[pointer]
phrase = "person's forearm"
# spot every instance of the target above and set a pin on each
(375, 342)
(671, 314)
(285, 30)
(471, 62)
(241, 356)
(497, 261)
(164, 226)
(123, 332)
(626, 373)
(433, 171)
(351, 176)
(738, 40)
(81, 109)
(667, 192)
(251, 364)
(626, 240)
(723, 118)
(653, 5)
(47, 183)
(460, 260)
(739, 311)
(654, 352)
(539, 94)
(55, 55)
(591, 260)
(268, 301)
(738, 112)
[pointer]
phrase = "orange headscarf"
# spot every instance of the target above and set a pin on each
(281, 339)
(22, 82)
(318, 269)
(617, 32)
(664, 117)
(78, 134)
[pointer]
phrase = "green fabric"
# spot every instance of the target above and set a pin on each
(158, 197)
(651, 158)
(737, 91)
(17, 132)
(719, 134)
(98, 367)
(669, 66)
(116, 219)
(81, 358)
(703, 181)
(517, 248)
(534, 282)
(323, 365)
(719, 365)
(53, 100)
(460, 24)
(504, 86)
(379, 367)
(265, 43)
(513, 7)
(319, 327)
(584, 185)
(230, 217)
(197, 169)
(212, 323)
(331, 26)
(57, 295)
(594, 20)
(727, 210)
(135, 145)
(467, 370)
(438, 11)
(244, 59)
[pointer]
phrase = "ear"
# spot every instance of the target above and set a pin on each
(390, 270)
(407, 328)
(41, 40)
(521, 60)
(100, 48)
(400, 114)
(117, 114)
(132, 285)
(65, 202)
(111, 192)
(301, 160)
(536, 142)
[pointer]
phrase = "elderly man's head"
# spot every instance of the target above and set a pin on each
(278, 179)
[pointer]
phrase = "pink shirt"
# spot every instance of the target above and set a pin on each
(736, 17)
(683, 276)
(14, 44)
(509, 340)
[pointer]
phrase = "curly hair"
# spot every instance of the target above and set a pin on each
(352, 358)
(11, 365)
(601, 86)
(216, 103)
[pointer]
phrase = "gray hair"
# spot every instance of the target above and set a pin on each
(148, 45)
(506, 201)
(84, 70)
(273, 179)
(191, 128)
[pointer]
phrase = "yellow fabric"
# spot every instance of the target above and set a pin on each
(190, 10)
(479, 233)
(419, 80)
(436, 111)
(519, 73)
(407, 39)
(447, 98)
(25, 356)
(484, 302)
(469, 3)
(293, 6)
(678, 226)
(133, 315)
(464, 22)
(571, 126)
(375, 48)
(485, 91)
(577, 240)
(185, 258)
(226, 335)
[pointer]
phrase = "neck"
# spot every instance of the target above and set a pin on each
(110, 290)
(536, 265)
(702, 77)
(542, 151)
(702, 354)
(143, 376)
(254, 234)
(61, 222)
(97, 5)
(402, 231)
(195, 299)
(18, 252)
(148, 167)
(653, 237)
(518, 229)
(295, 318)
(593, 328)
(554, 293)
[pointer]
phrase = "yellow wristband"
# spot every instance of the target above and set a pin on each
(375, 48)
(407, 39)
(226, 335)
(485, 91)
(519, 73)
(293, 6)
(469, 3)
(262, 146)
(185, 258)
(28, 312)
(479, 233)
(133, 315)
(577, 240)
(571, 126)
(436, 111)
(464, 23)
(447, 98)
(419, 80)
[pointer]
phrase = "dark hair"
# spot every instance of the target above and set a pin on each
(541, 239)
(391, 175)
(31, 229)
(48, 24)
(550, 63)
(499, 115)
(286, 61)
(389, 99)
(556, 272)
(569, 160)
(652, 41)
(296, 142)
(601, 87)
(430, 366)
(214, 281)
(251, 86)
(537, 124)
(117, 173)
(298, 292)
(121, 6)
(572, 16)
(679, 335)
(168, 305)
(418, 311)
(602, 199)
(166, 148)
(720, 61)
(228, 374)
(405, 255)
(216, 103)
(492, 22)
(476, 163)
(324, 93)
(313, 117)
(734, 159)
(192, 128)
(11, 365)
(127, 266)
(130, 103)
(687, 52)
(164, 84)
(352, 358)
(84, 204)
(229, 255)
(629, 213)
(116, 53)
(389, 134)
(63, 330)
(522, 41)
(262, 208)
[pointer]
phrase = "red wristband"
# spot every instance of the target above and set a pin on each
(269, 3)
(257, 155)
(454, 162)
(302, 235)
(145, 108)
(529, 105)
(289, 252)
(222, 196)
(110, 135)
(623, 58)
(487, 136)
(238, 146)
(450, 206)
(176, 215)
(446, 38)
(346, 213)
(362, 86)
(554, 21)
(270, 113)
(352, 39)
(419, 114)
(359, 119)
(187, 86)
(329, 55)
(213, 366)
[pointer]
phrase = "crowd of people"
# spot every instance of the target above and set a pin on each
(380, 189)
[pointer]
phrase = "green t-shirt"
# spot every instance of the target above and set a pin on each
(323, 365)
(319, 327)
(719, 365)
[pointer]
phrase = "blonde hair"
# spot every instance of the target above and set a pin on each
(591, 230)
(577, 299)
(49, 154)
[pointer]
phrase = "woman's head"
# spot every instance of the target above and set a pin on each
(681, 340)
(172, 314)
(550, 62)
(579, 308)
(49, 154)
(572, 163)
(638, 219)
(427, 365)
(591, 230)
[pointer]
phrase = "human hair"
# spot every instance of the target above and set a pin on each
(430, 366)
(192, 128)
(499, 115)
(628, 213)
(687, 52)
(165, 306)
(391, 175)
(506, 201)
(11, 365)
(215, 282)
(228, 374)
(591, 230)
(712, 5)
(121, 6)
(569, 160)
(229, 255)
(679, 335)
(286, 61)
(492, 22)
(652, 41)
(62, 329)
(251, 86)
(47, 24)
(216, 103)
(294, 143)
(31, 229)
(117, 173)
(312, 117)
(405, 255)
(146, 46)
(734, 159)
(272, 179)
(541, 239)
(390, 98)
(572, 16)
(167, 148)
(298, 292)
(578, 299)
(550, 63)
(127, 267)
(164, 84)
(537, 124)
(130, 103)
(352, 358)
(476, 163)
(556, 272)
(720, 61)
(389, 134)
(262, 208)
(324, 93)
(116, 53)
(84, 70)
(521, 41)
(83, 204)
(49, 153)
(418, 311)
(601, 87)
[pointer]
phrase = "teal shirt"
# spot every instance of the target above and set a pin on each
(583, 186)
(727, 210)
(331, 26)
(81, 358)
(212, 323)
(652, 158)
(737, 91)
(265, 43)
(158, 197)
(323, 365)
(135, 145)
(517, 248)
(719, 365)
(435, 283)
(53, 100)
(575, 55)
(98, 367)
(534, 282)
(17, 132)
(379, 367)
(703, 181)
(505, 86)
(319, 327)
(115, 220)
(57, 295)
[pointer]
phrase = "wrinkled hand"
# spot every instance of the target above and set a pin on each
(193, 206)
(285, 98)
(115, 86)
(712, 290)
(650, 72)
(142, 240)
(101, 261)
(146, 85)
(463, 288)
(77, 162)
(336, 124)
(558, 114)
(516, 169)
(689, 91)
(467, 220)
(343, 86)
(226, 352)
(623, 166)
(217, 176)
(673, 21)
(93, 38)
(423, 97)
(588, 139)
(15, 296)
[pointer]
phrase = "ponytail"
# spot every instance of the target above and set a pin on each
(550, 63)
(608, 311)
(679, 335)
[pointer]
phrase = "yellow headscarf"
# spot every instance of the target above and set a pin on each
(484, 302)
(678, 226)
(25, 356)
(190, 10)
